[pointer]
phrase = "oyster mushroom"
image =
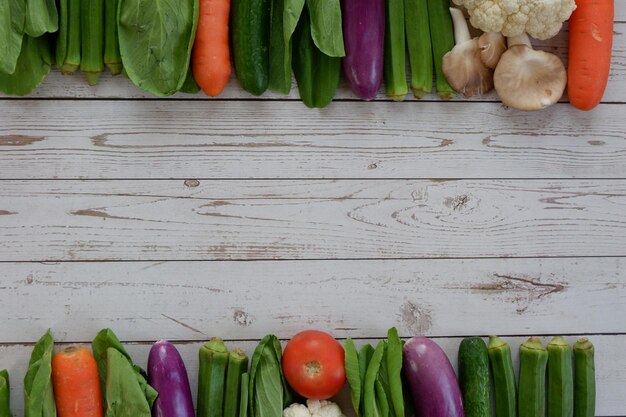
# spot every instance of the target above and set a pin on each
(463, 66)
(529, 80)
(492, 45)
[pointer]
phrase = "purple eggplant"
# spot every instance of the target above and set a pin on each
(167, 375)
(433, 384)
(364, 42)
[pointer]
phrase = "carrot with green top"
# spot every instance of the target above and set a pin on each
(76, 384)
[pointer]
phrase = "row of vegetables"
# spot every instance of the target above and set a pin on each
(164, 47)
(394, 379)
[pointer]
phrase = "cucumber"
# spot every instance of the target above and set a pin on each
(250, 23)
(211, 376)
(560, 379)
(503, 377)
(532, 379)
(585, 382)
(474, 377)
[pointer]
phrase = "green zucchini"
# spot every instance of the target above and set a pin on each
(395, 51)
(532, 379)
(211, 376)
(250, 23)
(560, 379)
(92, 39)
(317, 74)
(5, 391)
(419, 46)
(474, 377)
(585, 379)
(503, 377)
(237, 365)
(442, 38)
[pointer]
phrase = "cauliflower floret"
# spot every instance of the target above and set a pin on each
(314, 408)
(296, 410)
(541, 19)
(323, 408)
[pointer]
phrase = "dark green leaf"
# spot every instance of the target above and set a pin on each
(155, 40)
(125, 397)
(41, 17)
(33, 65)
(268, 392)
(12, 15)
(326, 27)
(353, 374)
(5, 391)
(394, 372)
(38, 395)
(190, 86)
(370, 406)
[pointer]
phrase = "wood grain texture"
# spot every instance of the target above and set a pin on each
(261, 219)
(57, 86)
(196, 300)
(209, 139)
(610, 367)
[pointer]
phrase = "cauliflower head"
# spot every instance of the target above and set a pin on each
(314, 408)
(541, 19)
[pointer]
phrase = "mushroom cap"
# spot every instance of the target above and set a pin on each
(465, 71)
(529, 80)
(492, 45)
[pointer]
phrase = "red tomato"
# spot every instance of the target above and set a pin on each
(313, 364)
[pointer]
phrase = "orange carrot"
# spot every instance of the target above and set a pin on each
(590, 42)
(210, 59)
(76, 384)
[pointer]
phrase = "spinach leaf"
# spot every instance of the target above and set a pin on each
(190, 86)
(394, 372)
(38, 394)
(371, 408)
(41, 17)
(353, 374)
(124, 396)
(5, 390)
(156, 37)
(268, 392)
(33, 65)
(285, 15)
(12, 15)
(326, 26)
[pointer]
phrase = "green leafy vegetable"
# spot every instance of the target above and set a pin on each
(38, 394)
(372, 407)
(41, 17)
(5, 391)
(33, 65)
(12, 15)
(394, 372)
(101, 347)
(124, 396)
(353, 374)
(155, 39)
(190, 86)
(326, 26)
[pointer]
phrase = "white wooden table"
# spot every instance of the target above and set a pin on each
(187, 218)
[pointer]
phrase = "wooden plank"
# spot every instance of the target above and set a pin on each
(610, 367)
(193, 140)
(57, 86)
(264, 219)
(351, 298)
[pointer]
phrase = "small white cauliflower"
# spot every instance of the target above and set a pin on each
(541, 19)
(314, 408)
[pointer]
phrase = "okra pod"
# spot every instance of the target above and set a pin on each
(237, 365)
(585, 379)
(560, 379)
(112, 58)
(419, 46)
(5, 408)
(317, 74)
(92, 39)
(395, 51)
(68, 41)
(442, 38)
(211, 377)
(532, 379)
(503, 377)
(243, 398)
